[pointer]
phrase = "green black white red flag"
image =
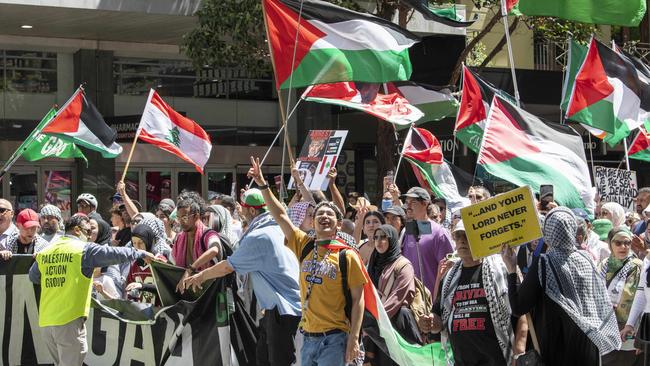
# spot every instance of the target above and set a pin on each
(423, 151)
(609, 93)
(640, 146)
(334, 44)
(524, 150)
(365, 97)
(435, 102)
(475, 102)
(79, 122)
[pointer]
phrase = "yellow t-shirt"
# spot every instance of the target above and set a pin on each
(326, 308)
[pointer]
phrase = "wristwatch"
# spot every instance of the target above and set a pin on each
(192, 270)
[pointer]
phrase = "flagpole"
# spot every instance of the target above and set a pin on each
(591, 154)
(135, 139)
(401, 155)
(30, 138)
(504, 13)
(627, 158)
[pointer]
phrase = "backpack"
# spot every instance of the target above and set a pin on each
(224, 244)
(343, 269)
(422, 301)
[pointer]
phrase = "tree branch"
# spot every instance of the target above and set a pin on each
(499, 46)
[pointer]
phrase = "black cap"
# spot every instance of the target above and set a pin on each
(417, 192)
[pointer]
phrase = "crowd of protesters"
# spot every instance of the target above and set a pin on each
(577, 296)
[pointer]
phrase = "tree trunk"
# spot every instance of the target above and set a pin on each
(499, 46)
(644, 27)
(463, 55)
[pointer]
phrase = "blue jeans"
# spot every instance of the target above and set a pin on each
(324, 351)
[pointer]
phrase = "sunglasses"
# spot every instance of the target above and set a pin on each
(3, 210)
(380, 236)
(618, 243)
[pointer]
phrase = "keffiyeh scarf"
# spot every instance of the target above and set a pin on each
(495, 283)
(572, 282)
(160, 245)
(225, 219)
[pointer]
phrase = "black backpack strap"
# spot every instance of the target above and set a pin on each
(343, 267)
(306, 250)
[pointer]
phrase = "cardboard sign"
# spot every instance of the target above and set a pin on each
(509, 218)
(318, 155)
(616, 185)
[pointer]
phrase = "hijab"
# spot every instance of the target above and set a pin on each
(103, 232)
(379, 261)
(573, 284)
(160, 245)
(617, 211)
(144, 233)
(222, 224)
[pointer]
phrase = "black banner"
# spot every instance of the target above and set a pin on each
(213, 330)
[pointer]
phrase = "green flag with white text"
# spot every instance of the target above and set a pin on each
(48, 146)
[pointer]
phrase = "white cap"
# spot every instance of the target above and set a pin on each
(459, 227)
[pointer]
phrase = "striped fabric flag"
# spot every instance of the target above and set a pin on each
(640, 147)
(446, 15)
(79, 122)
(334, 44)
(365, 97)
(615, 12)
(609, 93)
(423, 151)
(162, 126)
(522, 149)
(435, 102)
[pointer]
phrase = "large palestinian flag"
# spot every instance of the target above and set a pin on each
(334, 44)
(640, 146)
(365, 97)
(522, 149)
(423, 151)
(79, 122)
(575, 57)
(475, 102)
(446, 15)
(609, 93)
(615, 12)
(435, 102)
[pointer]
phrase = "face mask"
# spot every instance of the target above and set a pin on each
(386, 204)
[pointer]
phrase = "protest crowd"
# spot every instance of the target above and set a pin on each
(582, 284)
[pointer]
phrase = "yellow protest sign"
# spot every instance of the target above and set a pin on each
(509, 218)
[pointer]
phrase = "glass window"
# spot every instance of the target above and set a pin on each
(158, 188)
(28, 71)
(58, 184)
(132, 184)
(190, 181)
(23, 192)
(219, 182)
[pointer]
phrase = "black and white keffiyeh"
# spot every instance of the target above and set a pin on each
(495, 282)
(160, 246)
(573, 282)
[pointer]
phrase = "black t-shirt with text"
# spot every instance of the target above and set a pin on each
(471, 332)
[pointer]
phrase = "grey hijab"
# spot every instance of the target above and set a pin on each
(573, 283)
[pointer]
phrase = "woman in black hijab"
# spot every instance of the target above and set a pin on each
(140, 286)
(394, 277)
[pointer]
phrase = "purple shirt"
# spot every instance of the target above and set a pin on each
(433, 248)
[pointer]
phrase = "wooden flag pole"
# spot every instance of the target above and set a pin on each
(128, 160)
(283, 115)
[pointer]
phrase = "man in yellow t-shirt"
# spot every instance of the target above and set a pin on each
(331, 337)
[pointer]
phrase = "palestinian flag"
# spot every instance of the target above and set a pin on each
(79, 122)
(334, 44)
(474, 106)
(423, 151)
(377, 325)
(609, 93)
(162, 126)
(365, 97)
(445, 15)
(575, 57)
(435, 102)
(640, 147)
(614, 12)
(522, 149)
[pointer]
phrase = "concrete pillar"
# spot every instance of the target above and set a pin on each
(95, 69)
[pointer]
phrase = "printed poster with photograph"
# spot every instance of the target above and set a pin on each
(319, 153)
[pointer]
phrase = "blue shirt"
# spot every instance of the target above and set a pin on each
(272, 266)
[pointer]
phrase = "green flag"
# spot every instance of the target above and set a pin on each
(48, 146)
(615, 12)
(38, 146)
(575, 57)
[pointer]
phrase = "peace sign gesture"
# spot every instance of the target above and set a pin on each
(255, 172)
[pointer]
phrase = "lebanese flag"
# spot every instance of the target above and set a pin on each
(522, 149)
(79, 122)
(640, 147)
(328, 44)
(169, 130)
(365, 97)
(609, 93)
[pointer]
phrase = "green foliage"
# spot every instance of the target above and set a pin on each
(558, 30)
(477, 55)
